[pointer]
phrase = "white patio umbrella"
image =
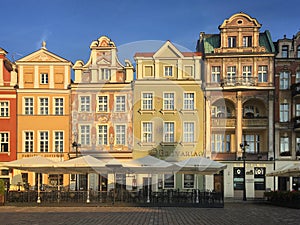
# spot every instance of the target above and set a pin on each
(293, 170)
(279, 171)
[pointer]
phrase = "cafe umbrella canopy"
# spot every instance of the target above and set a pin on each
(291, 170)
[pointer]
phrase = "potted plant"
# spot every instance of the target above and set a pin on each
(2, 192)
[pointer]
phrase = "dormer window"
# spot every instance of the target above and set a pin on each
(285, 51)
(105, 74)
(168, 71)
(247, 41)
(231, 42)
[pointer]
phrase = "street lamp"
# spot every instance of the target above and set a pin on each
(75, 146)
(243, 147)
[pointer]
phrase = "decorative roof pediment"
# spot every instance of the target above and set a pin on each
(103, 62)
(168, 50)
(240, 20)
(103, 42)
(42, 55)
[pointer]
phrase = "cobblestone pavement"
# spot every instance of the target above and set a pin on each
(232, 213)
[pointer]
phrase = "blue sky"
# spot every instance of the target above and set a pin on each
(69, 26)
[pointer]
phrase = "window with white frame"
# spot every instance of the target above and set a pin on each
(231, 42)
(28, 106)
(247, 41)
(284, 80)
(85, 135)
(147, 132)
(44, 106)
(284, 144)
(169, 181)
(169, 132)
(147, 101)
(120, 104)
(102, 103)
(4, 141)
(44, 78)
(188, 132)
(28, 141)
(231, 74)
(44, 141)
(120, 134)
(85, 104)
(247, 73)
(188, 180)
(284, 112)
(220, 143)
(102, 134)
(285, 51)
(58, 141)
(169, 101)
(297, 110)
(105, 74)
(262, 74)
(189, 101)
(4, 109)
(253, 141)
(297, 77)
(58, 106)
(168, 71)
(215, 74)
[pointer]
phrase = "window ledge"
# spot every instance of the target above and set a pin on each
(168, 143)
(168, 111)
(184, 111)
(152, 144)
(188, 144)
(141, 111)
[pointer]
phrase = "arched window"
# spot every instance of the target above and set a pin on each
(251, 111)
(221, 111)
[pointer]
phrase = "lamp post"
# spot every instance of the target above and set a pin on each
(75, 146)
(243, 147)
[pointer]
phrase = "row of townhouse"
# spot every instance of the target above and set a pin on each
(235, 99)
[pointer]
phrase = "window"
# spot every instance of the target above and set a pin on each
(253, 142)
(169, 181)
(147, 101)
(102, 103)
(297, 77)
(28, 106)
(188, 180)
(285, 51)
(298, 146)
(262, 74)
(238, 178)
(120, 104)
(85, 104)
(220, 111)
(59, 141)
(231, 73)
(105, 74)
(4, 140)
(44, 139)
(215, 74)
(28, 144)
(284, 145)
(44, 78)
(247, 41)
(250, 111)
(169, 99)
(284, 112)
(148, 71)
(169, 132)
(120, 134)
(102, 134)
(297, 110)
(4, 109)
(168, 71)
(188, 101)
(85, 135)
(259, 178)
(284, 80)
(298, 51)
(247, 74)
(188, 132)
(59, 106)
(220, 143)
(44, 107)
(231, 42)
(147, 132)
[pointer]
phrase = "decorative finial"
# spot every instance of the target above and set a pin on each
(44, 45)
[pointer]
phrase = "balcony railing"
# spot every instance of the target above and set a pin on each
(255, 122)
(239, 81)
(223, 122)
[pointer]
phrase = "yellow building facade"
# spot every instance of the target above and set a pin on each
(43, 113)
